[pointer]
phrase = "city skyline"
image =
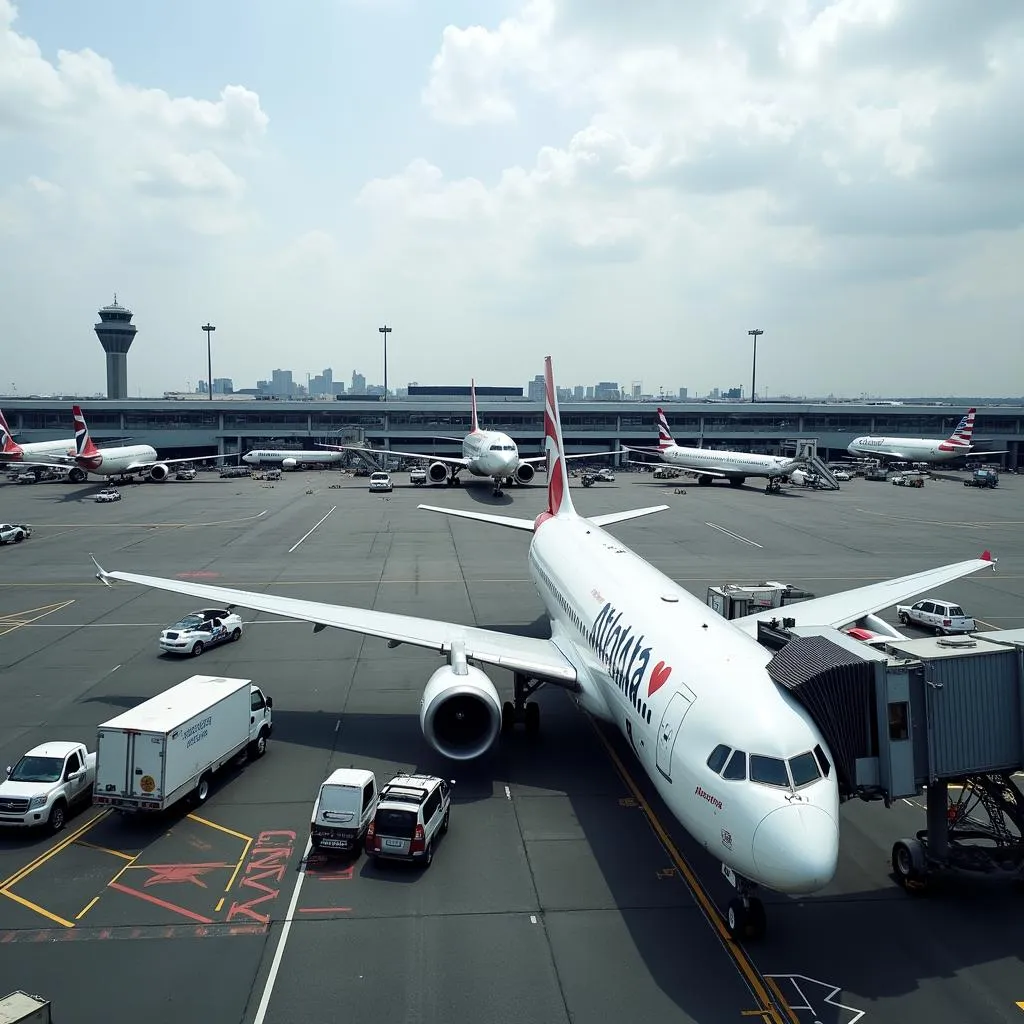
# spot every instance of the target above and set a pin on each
(534, 177)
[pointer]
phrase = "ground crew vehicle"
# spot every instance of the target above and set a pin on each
(412, 812)
(380, 482)
(942, 616)
(14, 533)
(982, 478)
(171, 745)
(344, 808)
(194, 632)
(46, 785)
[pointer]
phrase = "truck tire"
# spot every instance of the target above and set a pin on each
(202, 791)
(258, 747)
(58, 816)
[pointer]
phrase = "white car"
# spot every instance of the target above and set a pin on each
(344, 808)
(14, 533)
(841, 474)
(380, 482)
(412, 812)
(942, 616)
(418, 477)
(194, 632)
(108, 494)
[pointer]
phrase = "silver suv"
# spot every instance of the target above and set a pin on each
(413, 810)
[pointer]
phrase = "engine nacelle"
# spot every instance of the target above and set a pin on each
(460, 715)
(289, 463)
(524, 473)
(158, 473)
(438, 472)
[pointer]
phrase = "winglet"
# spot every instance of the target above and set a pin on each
(986, 556)
(102, 574)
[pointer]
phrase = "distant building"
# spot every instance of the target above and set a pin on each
(578, 393)
(322, 384)
(607, 391)
(281, 384)
(683, 394)
(223, 386)
(358, 384)
(536, 388)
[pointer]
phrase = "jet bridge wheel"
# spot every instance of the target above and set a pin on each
(908, 864)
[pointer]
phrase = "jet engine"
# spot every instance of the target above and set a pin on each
(438, 472)
(460, 715)
(158, 473)
(524, 473)
(78, 476)
(289, 463)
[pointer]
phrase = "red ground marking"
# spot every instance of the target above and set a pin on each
(161, 903)
(167, 931)
(171, 874)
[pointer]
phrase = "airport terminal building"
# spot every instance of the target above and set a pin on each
(430, 424)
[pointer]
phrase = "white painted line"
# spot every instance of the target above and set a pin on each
(275, 966)
(114, 669)
(533, 919)
(308, 532)
(735, 536)
(508, 793)
(906, 801)
(337, 725)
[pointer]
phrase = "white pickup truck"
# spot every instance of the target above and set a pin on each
(46, 784)
(14, 533)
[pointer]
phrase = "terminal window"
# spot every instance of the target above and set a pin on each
(899, 721)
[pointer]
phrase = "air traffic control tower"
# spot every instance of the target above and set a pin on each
(116, 333)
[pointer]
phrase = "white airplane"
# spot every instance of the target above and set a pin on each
(485, 453)
(736, 759)
(288, 458)
(124, 460)
(709, 463)
(11, 451)
(921, 449)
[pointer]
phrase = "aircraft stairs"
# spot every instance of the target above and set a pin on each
(806, 448)
(939, 718)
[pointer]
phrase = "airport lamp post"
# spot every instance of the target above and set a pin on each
(209, 328)
(755, 334)
(385, 331)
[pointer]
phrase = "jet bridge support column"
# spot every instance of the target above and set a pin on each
(938, 820)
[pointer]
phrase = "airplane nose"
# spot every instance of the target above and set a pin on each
(796, 848)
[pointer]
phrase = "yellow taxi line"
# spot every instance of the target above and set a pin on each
(52, 852)
(221, 828)
(38, 909)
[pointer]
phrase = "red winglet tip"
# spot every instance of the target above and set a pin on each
(986, 555)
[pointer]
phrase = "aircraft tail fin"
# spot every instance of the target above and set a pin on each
(559, 499)
(84, 447)
(664, 434)
(964, 430)
(475, 424)
(8, 446)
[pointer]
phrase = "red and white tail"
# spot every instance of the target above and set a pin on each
(475, 424)
(664, 434)
(84, 448)
(964, 429)
(8, 446)
(559, 500)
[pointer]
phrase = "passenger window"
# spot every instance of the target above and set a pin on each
(430, 809)
(770, 771)
(367, 795)
(737, 766)
(823, 761)
(899, 722)
(804, 769)
(718, 757)
(955, 610)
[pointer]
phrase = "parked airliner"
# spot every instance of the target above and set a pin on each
(921, 449)
(709, 463)
(485, 453)
(11, 451)
(123, 460)
(288, 458)
(736, 759)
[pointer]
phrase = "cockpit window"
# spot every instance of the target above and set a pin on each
(771, 771)
(718, 758)
(804, 769)
(823, 761)
(737, 766)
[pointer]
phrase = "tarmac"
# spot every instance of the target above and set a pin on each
(563, 891)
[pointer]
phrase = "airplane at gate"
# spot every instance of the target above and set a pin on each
(122, 460)
(288, 458)
(11, 451)
(485, 453)
(709, 463)
(736, 759)
(922, 449)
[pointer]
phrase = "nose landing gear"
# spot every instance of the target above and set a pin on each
(745, 916)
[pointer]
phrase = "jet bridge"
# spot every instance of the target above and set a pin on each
(940, 717)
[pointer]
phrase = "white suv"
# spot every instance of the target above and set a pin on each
(344, 807)
(413, 810)
(942, 616)
(380, 482)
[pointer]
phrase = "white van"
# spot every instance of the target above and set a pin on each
(344, 807)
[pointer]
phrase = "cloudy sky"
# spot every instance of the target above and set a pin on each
(629, 187)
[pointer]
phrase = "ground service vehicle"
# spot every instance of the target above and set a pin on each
(14, 533)
(46, 784)
(942, 616)
(150, 757)
(418, 477)
(344, 808)
(380, 482)
(108, 494)
(22, 1008)
(413, 810)
(194, 632)
(982, 478)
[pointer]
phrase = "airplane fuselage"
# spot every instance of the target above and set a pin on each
(37, 448)
(281, 456)
(678, 681)
(912, 449)
(490, 453)
(730, 464)
(115, 461)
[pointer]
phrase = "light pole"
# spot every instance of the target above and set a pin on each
(385, 331)
(209, 328)
(755, 334)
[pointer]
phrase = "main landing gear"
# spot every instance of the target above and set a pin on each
(521, 710)
(745, 916)
(774, 485)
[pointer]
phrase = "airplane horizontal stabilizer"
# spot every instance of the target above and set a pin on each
(484, 517)
(620, 517)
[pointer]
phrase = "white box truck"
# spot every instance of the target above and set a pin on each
(169, 747)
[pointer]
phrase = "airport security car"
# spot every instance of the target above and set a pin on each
(412, 812)
(344, 808)
(108, 494)
(380, 482)
(43, 787)
(418, 477)
(942, 616)
(194, 632)
(14, 533)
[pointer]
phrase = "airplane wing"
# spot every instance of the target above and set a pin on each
(584, 455)
(43, 460)
(135, 467)
(451, 460)
(838, 610)
(538, 658)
